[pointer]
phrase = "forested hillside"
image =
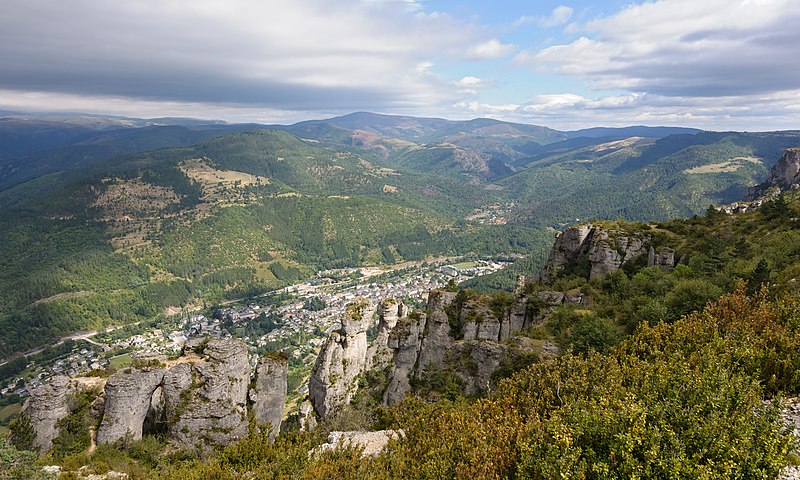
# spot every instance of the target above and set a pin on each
(98, 238)
(667, 370)
(124, 238)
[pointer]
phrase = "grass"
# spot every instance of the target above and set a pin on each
(465, 265)
(120, 361)
(9, 411)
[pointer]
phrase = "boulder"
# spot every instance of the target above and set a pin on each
(372, 443)
(128, 399)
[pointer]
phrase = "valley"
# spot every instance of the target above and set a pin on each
(297, 244)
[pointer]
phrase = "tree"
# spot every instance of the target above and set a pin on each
(759, 277)
(22, 433)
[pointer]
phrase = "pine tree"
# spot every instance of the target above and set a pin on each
(22, 433)
(759, 277)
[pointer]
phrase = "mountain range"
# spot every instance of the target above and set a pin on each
(107, 220)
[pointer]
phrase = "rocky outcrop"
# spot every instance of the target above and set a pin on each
(47, 405)
(786, 172)
(595, 249)
(306, 417)
(458, 334)
(783, 176)
(372, 443)
(379, 355)
(342, 358)
(206, 402)
(405, 341)
(202, 401)
(268, 394)
(128, 400)
(664, 258)
(570, 246)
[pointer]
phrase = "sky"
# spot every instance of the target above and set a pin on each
(712, 64)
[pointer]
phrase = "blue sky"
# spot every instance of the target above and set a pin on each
(715, 64)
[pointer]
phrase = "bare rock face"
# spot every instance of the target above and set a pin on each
(568, 248)
(128, 400)
(605, 251)
(405, 340)
(373, 443)
(47, 405)
(379, 354)
(458, 334)
(342, 358)
(786, 172)
(268, 395)
(665, 258)
(306, 417)
(206, 403)
(436, 337)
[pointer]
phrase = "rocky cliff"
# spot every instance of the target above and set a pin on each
(342, 358)
(47, 405)
(206, 401)
(200, 401)
(786, 172)
(599, 251)
(268, 395)
(783, 176)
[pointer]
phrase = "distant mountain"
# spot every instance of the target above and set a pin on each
(634, 131)
(414, 129)
(34, 148)
(21, 137)
(641, 178)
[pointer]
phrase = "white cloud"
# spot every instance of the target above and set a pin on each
(570, 111)
(559, 16)
(281, 54)
(490, 49)
(473, 82)
(684, 48)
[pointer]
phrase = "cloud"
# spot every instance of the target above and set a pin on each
(559, 16)
(283, 54)
(473, 82)
(714, 48)
(571, 111)
(490, 49)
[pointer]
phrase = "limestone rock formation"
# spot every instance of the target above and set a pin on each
(373, 443)
(405, 340)
(128, 400)
(783, 176)
(601, 250)
(569, 246)
(47, 405)
(268, 395)
(459, 335)
(342, 358)
(200, 404)
(786, 172)
(436, 337)
(206, 402)
(378, 353)
(306, 417)
(665, 258)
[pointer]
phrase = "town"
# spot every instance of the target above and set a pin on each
(295, 320)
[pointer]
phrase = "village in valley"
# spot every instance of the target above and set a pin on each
(295, 320)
